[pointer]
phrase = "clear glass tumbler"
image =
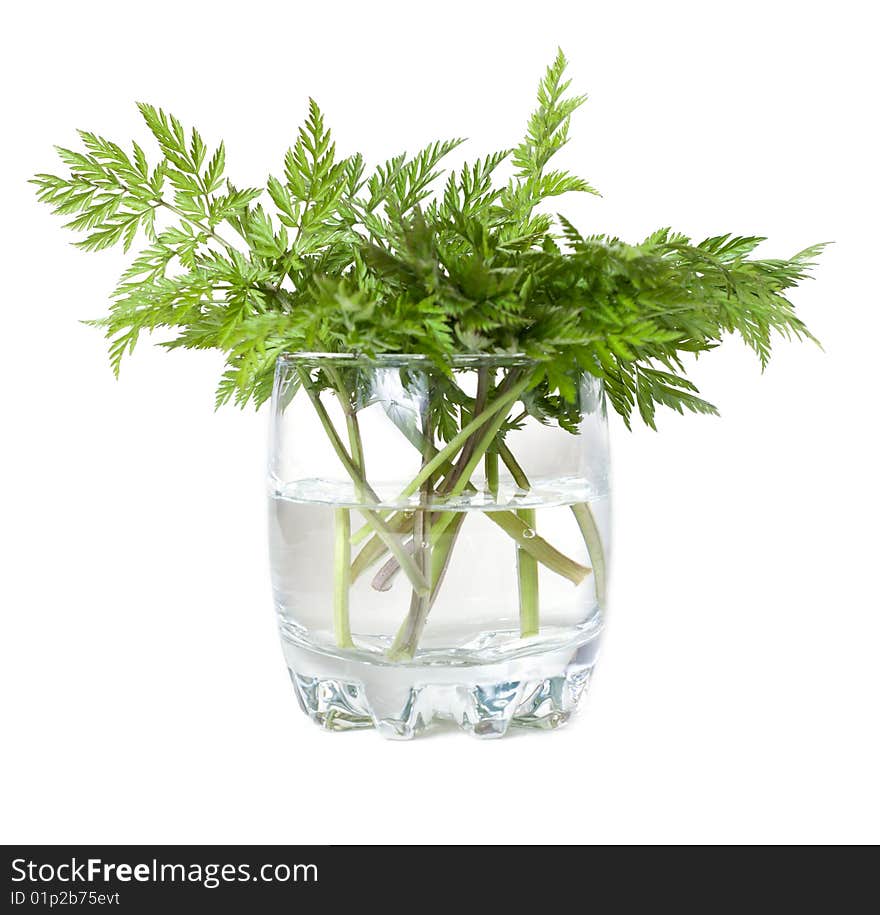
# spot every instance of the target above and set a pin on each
(439, 540)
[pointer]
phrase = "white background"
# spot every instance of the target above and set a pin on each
(144, 695)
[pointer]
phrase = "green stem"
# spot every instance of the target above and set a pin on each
(442, 553)
(407, 638)
(468, 448)
(483, 444)
(392, 517)
(527, 573)
(376, 522)
(351, 424)
(476, 452)
(510, 462)
(200, 226)
(537, 546)
(374, 549)
(399, 551)
(593, 539)
(440, 459)
(342, 579)
(491, 461)
(341, 562)
(526, 565)
(452, 448)
(408, 635)
(544, 552)
(437, 537)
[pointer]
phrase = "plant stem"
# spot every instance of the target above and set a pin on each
(452, 448)
(351, 424)
(468, 447)
(341, 561)
(435, 533)
(376, 522)
(508, 396)
(593, 539)
(485, 441)
(535, 546)
(497, 417)
(442, 553)
(510, 462)
(526, 564)
(384, 578)
(462, 441)
(374, 549)
(491, 461)
(342, 565)
(408, 635)
(538, 547)
(200, 226)
(527, 573)
(407, 638)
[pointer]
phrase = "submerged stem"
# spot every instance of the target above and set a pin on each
(442, 553)
(426, 557)
(491, 462)
(374, 549)
(527, 573)
(526, 563)
(475, 452)
(341, 583)
(376, 522)
(538, 547)
(508, 392)
(407, 638)
(384, 578)
(534, 545)
(593, 539)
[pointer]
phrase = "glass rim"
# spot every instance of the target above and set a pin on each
(397, 360)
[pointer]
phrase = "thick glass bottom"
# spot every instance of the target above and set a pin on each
(537, 686)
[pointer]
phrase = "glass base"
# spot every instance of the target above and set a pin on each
(537, 689)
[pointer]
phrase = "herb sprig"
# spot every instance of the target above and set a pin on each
(342, 260)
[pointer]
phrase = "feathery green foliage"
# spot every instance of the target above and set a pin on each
(337, 259)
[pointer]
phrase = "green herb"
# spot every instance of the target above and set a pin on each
(373, 264)
(339, 259)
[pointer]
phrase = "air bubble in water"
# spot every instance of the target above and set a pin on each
(528, 533)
